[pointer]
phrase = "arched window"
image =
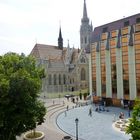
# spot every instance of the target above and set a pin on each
(64, 79)
(83, 74)
(50, 79)
(85, 40)
(83, 60)
(81, 40)
(54, 78)
(59, 79)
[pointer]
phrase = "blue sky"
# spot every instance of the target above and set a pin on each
(25, 22)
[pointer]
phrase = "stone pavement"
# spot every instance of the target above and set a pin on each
(49, 127)
(95, 126)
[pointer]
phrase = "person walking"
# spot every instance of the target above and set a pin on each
(90, 112)
(129, 112)
(67, 107)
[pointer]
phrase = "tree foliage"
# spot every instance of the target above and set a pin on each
(20, 83)
(134, 126)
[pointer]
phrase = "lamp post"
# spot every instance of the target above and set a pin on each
(76, 121)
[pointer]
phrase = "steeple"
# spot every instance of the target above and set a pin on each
(85, 29)
(60, 40)
(85, 17)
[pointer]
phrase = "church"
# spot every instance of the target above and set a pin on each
(66, 68)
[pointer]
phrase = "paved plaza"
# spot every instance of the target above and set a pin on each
(96, 126)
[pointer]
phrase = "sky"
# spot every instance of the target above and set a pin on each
(23, 23)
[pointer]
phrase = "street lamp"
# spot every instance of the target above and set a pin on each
(76, 121)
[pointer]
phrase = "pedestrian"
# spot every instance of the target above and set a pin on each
(77, 99)
(114, 118)
(67, 107)
(63, 103)
(129, 112)
(65, 113)
(53, 102)
(90, 112)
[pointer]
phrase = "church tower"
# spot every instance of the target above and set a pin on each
(85, 29)
(60, 40)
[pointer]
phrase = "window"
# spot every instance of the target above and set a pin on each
(83, 74)
(81, 40)
(50, 79)
(85, 40)
(54, 78)
(59, 79)
(83, 60)
(137, 27)
(138, 20)
(105, 29)
(64, 79)
(126, 23)
(113, 34)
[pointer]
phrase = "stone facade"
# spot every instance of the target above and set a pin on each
(66, 68)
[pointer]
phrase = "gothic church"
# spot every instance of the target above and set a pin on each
(67, 68)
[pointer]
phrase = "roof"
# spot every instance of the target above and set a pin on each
(113, 26)
(47, 52)
(52, 53)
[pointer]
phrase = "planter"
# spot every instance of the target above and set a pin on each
(40, 137)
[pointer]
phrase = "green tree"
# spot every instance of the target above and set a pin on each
(134, 126)
(20, 83)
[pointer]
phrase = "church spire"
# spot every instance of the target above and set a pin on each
(85, 17)
(85, 29)
(60, 40)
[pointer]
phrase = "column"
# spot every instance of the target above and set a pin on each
(108, 74)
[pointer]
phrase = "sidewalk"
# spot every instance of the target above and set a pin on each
(49, 127)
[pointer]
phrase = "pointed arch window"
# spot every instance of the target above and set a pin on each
(59, 79)
(83, 74)
(83, 60)
(81, 40)
(70, 81)
(50, 79)
(54, 78)
(85, 40)
(64, 79)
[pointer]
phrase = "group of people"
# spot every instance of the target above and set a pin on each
(121, 116)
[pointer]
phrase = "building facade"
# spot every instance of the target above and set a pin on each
(66, 68)
(115, 56)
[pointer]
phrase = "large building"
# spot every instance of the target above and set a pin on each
(66, 68)
(115, 56)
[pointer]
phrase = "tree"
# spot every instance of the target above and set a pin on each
(20, 83)
(134, 126)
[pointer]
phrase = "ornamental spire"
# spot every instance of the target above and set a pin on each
(85, 17)
(60, 40)
(85, 10)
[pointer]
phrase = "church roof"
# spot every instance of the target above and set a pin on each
(52, 53)
(47, 52)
